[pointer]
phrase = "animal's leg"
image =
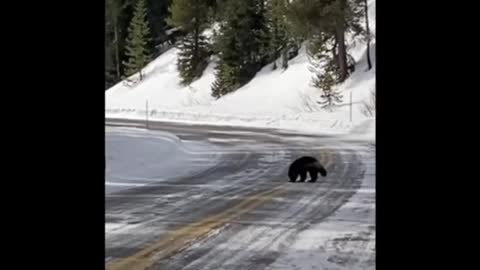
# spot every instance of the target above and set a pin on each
(313, 175)
(303, 176)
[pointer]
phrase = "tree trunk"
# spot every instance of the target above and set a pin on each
(334, 50)
(275, 50)
(196, 32)
(368, 36)
(285, 57)
(117, 51)
(342, 50)
(342, 53)
(195, 59)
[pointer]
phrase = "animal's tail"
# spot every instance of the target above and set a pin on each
(321, 169)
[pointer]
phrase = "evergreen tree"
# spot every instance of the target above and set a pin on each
(325, 23)
(138, 41)
(329, 18)
(109, 73)
(330, 98)
(326, 80)
(157, 15)
(278, 39)
(117, 17)
(291, 37)
(113, 12)
(225, 80)
(303, 17)
(240, 44)
(191, 17)
(325, 67)
(193, 57)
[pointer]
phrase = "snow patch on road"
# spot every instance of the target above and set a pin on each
(136, 157)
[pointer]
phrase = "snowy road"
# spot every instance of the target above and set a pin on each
(221, 200)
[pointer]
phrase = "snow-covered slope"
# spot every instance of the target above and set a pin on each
(280, 99)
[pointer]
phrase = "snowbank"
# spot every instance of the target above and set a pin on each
(278, 99)
(138, 157)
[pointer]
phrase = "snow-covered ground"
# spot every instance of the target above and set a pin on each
(138, 157)
(279, 99)
(345, 240)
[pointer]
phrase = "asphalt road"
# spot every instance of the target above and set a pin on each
(239, 214)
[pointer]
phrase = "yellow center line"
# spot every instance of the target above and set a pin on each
(180, 238)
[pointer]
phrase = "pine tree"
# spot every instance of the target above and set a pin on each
(138, 41)
(240, 44)
(192, 58)
(294, 33)
(278, 39)
(324, 65)
(330, 18)
(157, 15)
(109, 64)
(191, 17)
(113, 12)
(325, 79)
(109, 72)
(330, 98)
(226, 80)
(303, 17)
(117, 16)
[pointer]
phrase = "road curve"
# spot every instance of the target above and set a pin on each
(241, 213)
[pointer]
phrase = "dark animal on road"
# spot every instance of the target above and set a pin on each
(303, 165)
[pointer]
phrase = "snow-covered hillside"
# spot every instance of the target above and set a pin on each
(279, 99)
